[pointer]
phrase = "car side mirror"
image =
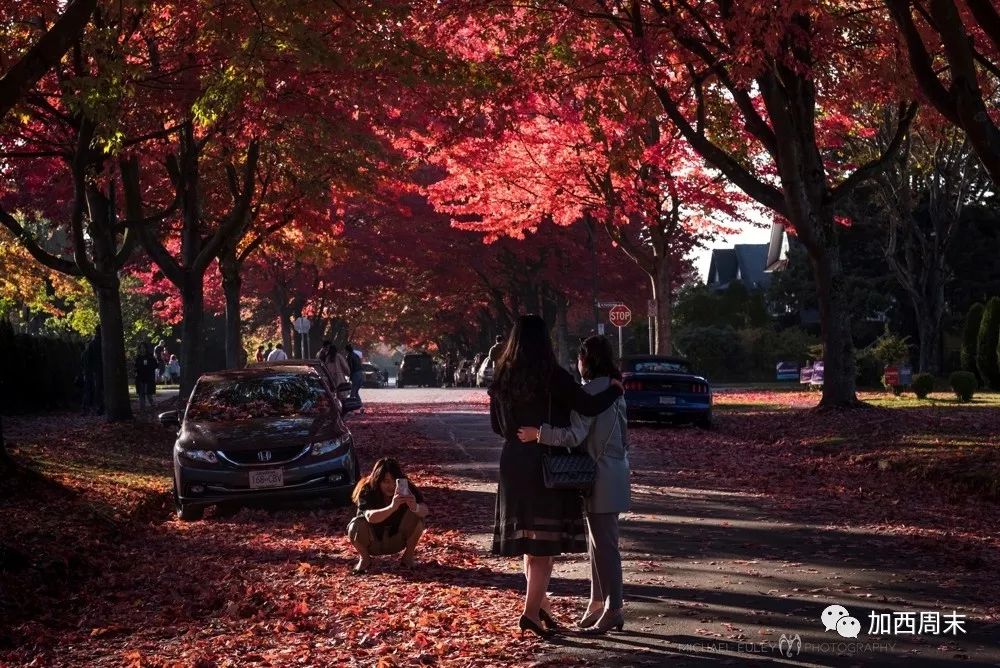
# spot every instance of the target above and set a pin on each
(170, 419)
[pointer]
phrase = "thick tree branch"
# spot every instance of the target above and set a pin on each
(129, 168)
(41, 255)
(921, 62)
(44, 54)
(872, 168)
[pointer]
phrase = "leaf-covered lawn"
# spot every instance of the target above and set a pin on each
(96, 571)
(263, 587)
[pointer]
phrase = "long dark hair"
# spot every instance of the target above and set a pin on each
(525, 367)
(371, 481)
(598, 358)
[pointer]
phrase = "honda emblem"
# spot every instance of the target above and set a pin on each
(264, 455)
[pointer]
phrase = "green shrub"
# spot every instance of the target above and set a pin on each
(891, 349)
(965, 385)
(715, 352)
(763, 348)
(923, 384)
(970, 337)
(986, 344)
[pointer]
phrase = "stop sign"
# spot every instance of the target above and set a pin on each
(620, 315)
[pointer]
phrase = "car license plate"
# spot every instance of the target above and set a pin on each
(264, 479)
(668, 401)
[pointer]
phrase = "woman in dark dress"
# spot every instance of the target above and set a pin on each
(530, 388)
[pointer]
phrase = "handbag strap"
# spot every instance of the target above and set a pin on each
(611, 432)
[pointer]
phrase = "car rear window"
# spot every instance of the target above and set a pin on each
(235, 399)
(417, 361)
(660, 366)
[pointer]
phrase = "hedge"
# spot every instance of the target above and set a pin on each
(964, 384)
(37, 372)
(986, 344)
(970, 338)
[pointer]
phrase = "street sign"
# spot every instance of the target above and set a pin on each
(608, 304)
(620, 316)
(302, 324)
(600, 328)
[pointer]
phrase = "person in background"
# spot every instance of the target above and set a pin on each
(357, 374)
(145, 366)
(278, 354)
(174, 370)
(390, 519)
(495, 351)
(267, 352)
(336, 363)
(93, 374)
(161, 356)
(260, 357)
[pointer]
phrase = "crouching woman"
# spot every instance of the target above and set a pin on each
(390, 515)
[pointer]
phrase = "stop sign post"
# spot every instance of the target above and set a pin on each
(620, 316)
(302, 325)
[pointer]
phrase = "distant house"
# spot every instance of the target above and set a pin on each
(745, 263)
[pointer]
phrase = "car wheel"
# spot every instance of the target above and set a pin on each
(704, 422)
(399, 385)
(187, 513)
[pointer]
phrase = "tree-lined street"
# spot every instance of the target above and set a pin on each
(260, 261)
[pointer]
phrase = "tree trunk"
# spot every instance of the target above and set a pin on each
(117, 404)
(839, 372)
(565, 349)
(193, 297)
(928, 345)
(285, 322)
(660, 280)
(232, 286)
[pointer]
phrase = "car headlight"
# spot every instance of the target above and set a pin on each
(205, 456)
(326, 447)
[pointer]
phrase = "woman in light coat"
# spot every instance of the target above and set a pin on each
(606, 440)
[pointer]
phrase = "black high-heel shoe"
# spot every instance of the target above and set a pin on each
(611, 619)
(527, 624)
(549, 621)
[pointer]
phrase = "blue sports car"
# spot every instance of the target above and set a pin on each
(663, 389)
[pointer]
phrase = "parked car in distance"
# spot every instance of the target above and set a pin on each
(374, 377)
(260, 433)
(484, 376)
(464, 374)
(664, 389)
(417, 370)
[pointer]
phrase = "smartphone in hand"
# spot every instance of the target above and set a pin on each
(402, 487)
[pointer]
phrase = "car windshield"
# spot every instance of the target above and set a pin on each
(257, 397)
(660, 366)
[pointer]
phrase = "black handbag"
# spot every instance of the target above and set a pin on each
(568, 470)
(572, 469)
